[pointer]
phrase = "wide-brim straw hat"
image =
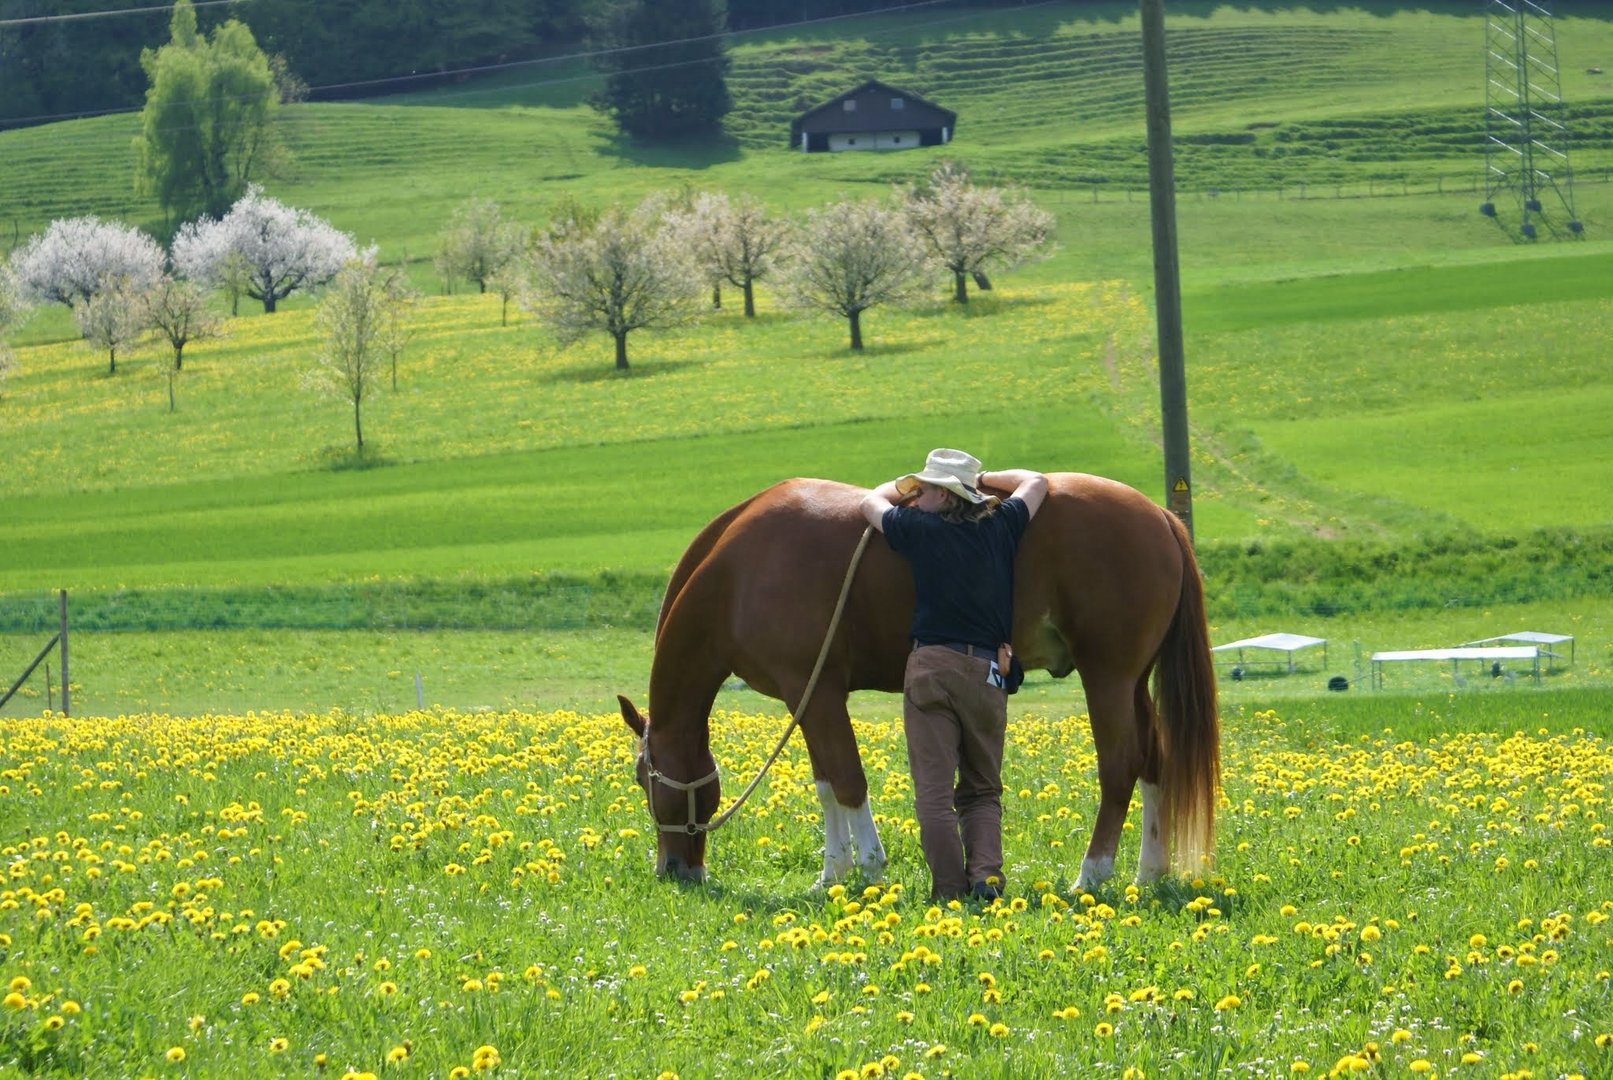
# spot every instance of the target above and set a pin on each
(954, 470)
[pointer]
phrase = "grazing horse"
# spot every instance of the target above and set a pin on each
(1105, 585)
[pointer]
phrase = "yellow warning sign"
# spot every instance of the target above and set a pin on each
(1180, 487)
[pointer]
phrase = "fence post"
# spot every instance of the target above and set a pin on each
(66, 706)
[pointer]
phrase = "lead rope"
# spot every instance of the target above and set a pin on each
(806, 695)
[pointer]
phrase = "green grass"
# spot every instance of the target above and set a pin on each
(1367, 374)
(277, 895)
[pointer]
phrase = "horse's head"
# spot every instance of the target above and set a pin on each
(683, 789)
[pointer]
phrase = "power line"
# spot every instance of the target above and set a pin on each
(34, 20)
(454, 73)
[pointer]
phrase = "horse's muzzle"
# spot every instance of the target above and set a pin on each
(675, 868)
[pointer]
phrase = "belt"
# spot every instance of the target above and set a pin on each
(959, 646)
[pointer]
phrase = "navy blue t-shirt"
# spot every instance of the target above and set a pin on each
(963, 572)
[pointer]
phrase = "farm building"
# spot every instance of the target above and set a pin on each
(873, 117)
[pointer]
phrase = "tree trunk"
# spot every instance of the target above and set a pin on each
(171, 391)
(960, 287)
(856, 318)
(481, 286)
(358, 429)
(621, 350)
(982, 280)
(716, 296)
(750, 300)
(179, 356)
(504, 312)
(269, 301)
(112, 362)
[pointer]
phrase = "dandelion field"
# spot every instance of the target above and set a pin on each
(441, 894)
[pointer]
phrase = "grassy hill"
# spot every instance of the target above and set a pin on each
(1395, 407)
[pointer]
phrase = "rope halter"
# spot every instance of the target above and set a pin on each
(656, 776)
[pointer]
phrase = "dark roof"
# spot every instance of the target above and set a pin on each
(873, 112)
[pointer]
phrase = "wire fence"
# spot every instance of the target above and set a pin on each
(1287, 191)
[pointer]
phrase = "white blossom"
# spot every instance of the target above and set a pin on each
(852, 256)
(112, 318)
(71, 259)
(732, 242)
(624, 272)
(967, 228)
(276, 248)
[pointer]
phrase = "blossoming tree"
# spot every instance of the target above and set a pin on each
(732, 241)
(624, 272)
(852, 256)
(967, 228)
(275, 249)
(76, 257)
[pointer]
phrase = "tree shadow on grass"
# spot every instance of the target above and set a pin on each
(582, 374)
(347, 459)
(698, 153)
(983, 305)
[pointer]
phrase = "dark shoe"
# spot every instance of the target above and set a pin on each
(985, 890)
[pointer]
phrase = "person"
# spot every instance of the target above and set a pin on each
(961, 545)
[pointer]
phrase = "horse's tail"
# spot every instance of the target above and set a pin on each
(1190, 730)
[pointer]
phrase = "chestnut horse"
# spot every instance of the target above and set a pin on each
(1105, 585)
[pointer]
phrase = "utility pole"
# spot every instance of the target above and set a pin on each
(1167, 273)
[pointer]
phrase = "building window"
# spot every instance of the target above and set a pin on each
(897, 103)
(851, 142)
(897, 140)
(850, 104)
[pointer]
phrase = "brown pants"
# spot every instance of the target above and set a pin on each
(955, 723)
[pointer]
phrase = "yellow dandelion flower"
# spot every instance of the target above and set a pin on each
(1103, 1031)
(175, 1054)
(998, 1030)
(14, 1000)
(1421, 1065)
(977, 1020)
(397, 1055)
(1299, 1067)
(1400, 1035)
(21, 984)
(1226, 1004)
(55, 1023)
(278, 1044)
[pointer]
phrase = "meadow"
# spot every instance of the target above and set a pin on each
(456, 894)
(250, 854)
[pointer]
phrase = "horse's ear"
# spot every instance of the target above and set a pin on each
(631, 714)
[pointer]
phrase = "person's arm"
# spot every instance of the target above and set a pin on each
(881, 499)
(1027, 486)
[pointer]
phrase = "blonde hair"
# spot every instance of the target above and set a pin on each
(959, 509)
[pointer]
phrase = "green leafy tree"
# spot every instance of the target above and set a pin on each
(207, 127)
(666, 66)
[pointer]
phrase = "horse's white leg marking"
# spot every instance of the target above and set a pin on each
(837, 854)
(1094, 872)
(1154, 859)
(870, 852)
